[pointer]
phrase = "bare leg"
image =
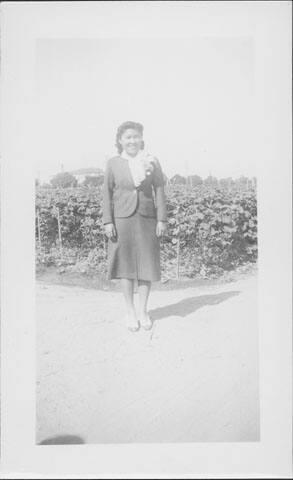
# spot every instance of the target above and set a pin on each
(127, 289)
(144, 287)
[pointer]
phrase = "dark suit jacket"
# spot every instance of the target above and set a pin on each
(121, 197)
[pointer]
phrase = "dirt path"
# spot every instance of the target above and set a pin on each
(193, 377)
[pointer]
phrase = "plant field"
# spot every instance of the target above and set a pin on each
(210, 230)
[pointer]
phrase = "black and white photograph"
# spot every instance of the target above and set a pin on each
(150, 208)
(146, 241)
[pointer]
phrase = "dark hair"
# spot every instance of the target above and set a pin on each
(125, 126)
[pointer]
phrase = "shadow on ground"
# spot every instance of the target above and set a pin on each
(63, 440)
(191, 304)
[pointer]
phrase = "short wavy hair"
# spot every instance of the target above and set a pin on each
(125, 126)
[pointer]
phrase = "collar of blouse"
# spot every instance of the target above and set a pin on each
(137, 166)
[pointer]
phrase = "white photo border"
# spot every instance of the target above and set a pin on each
(269, 24)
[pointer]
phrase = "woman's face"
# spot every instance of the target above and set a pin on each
(131, 141)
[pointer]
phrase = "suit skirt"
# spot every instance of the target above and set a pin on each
(135, 253)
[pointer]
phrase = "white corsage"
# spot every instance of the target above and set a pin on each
(149, 162)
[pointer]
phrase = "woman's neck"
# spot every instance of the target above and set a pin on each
(127, 155)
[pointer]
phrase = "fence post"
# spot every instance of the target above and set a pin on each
(59, 229)
(178, 258)
(105, 246)
(39, 230)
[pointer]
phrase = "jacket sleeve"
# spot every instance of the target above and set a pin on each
(160, 198)
(107, 216)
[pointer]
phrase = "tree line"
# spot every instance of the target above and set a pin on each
(68, 180)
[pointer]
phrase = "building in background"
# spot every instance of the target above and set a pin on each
(82, 173)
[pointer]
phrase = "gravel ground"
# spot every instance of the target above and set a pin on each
(192, 378)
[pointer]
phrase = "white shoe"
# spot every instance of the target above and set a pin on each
(131, 322)
(145, 321)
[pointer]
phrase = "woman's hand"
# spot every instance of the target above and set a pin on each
(161, 228)
(149, 162)
(110, 230)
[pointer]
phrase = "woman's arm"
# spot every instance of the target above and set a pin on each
(158, 184)
(107, 195)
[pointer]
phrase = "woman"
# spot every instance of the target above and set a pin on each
(134, 215)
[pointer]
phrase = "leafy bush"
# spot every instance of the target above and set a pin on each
(63, 180)
(210, 229)
(93, 180)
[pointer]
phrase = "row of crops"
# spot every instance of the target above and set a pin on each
(210, 229)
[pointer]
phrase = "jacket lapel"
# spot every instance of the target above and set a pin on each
(126, 170)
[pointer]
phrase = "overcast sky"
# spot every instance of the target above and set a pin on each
(193, 96)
